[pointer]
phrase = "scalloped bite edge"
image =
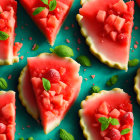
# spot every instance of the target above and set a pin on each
(136, 85)
(15, 59)
(83, 125)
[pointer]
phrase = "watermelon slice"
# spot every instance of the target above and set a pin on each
(8, 51)
(52, 105)
(7, 115)
(115, 104)
(49, 22)
(107, 27)
(137, 85)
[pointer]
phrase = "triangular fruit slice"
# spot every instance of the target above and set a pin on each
(107, 27)
(7, 115)
(8, 51)
(65, 86)
(107, 116)
(49, 22)
(137, 85)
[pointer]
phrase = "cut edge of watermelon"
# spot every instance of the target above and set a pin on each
(4, 92)
(10, 61)
(83, 125)
(94, 51)
(35, 115)
(136, 85)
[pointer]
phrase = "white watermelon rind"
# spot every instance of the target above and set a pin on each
(92, 47)
(35, 115)
(136, 85)
(95, 96)
(4, 92)
(15, 59)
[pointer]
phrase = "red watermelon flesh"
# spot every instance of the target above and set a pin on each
(48, 22)
(118, 106)
(7, 115)
(54, 104)
(7, 24)
(111, 37)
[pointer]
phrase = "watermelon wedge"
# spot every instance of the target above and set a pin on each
(137, 85)
(107, 27)
(7, 115)
(49, 22)
(8, 51)
(53, 104)
(107, 105)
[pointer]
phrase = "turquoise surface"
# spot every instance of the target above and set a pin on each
(26, 28)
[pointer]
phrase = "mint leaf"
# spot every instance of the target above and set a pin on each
(114, 121)
(3, 83)
(3, 35)
(52, 5)
(95, 89)
(63, 51)
(45, 1)
(133, 62)
(64, 135)
(104, 126)
(84, 60)
(125, 131)
(21, 138)
(38, 10)
(30, 138)
(46, 84)
(35, 47)
(103, 119)
(112, 81)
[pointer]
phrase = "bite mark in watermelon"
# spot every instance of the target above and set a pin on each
(137, 85)
(114, 101)
(53, 104)
(108, 36)
(7, 115)
(49, 22)
(8, 52)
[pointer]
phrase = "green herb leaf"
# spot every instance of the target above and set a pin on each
(38, 10)
(114, 121)
(112, 81)
(3, 35)
(103, 119)
(3, 83)
(64, 135)
(45, 1)
(133, 62)
(52, 5)
(21, 138)
(125, 131)
(63, 51)
(30, 138)
(104, 126)
(84, 60)
(95, 89)
(46, 84)
(35, 47)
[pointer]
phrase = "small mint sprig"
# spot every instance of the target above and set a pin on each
(3, 35)
(46, 84)
(52, 5)
(125, 131)
(64, 135)
(112, 81)
(105, 122)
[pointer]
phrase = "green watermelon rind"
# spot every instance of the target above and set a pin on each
(92, 47)
(15, 59)
(83, 125)
(136, 85)
(35, 115)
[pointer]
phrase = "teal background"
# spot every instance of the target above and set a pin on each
(102, 74)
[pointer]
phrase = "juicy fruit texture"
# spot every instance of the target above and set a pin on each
(49, 22)
(65, 86)
(8, 51)
(137, 85)
(115, 104)
(107, 27)
(7, 115)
